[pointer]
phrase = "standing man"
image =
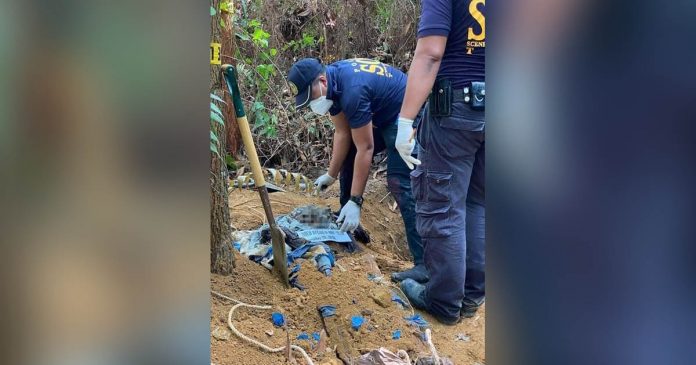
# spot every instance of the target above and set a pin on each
(449, 181)
(363, 98)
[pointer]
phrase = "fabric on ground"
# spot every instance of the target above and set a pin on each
(303, 222)
(381, 356)
(431, 361)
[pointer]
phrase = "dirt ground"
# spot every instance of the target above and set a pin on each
(349, 290)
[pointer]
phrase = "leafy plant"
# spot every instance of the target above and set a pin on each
(231, 163)
(308, 41)
(226, 7)
(264, 122)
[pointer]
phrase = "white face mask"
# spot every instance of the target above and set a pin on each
(321, 105)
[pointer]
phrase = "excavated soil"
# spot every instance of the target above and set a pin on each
(348, 289)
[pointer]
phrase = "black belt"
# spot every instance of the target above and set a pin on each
(443, 94)
(473, 93)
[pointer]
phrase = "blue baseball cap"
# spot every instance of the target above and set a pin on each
(300, 79)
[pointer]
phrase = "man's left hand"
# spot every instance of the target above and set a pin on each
(405, 143)
(350, 216)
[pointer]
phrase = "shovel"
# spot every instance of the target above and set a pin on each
(280, 259)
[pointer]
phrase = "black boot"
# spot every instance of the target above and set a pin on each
(418, 273)
(469, 308)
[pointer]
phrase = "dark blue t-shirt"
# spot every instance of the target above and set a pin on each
(464, 24)
(365, 90)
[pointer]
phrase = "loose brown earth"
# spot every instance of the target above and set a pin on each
(348, 290)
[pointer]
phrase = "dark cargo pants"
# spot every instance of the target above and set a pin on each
(398, 183)
(449, 187)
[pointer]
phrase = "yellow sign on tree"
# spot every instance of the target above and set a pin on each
(215, 54)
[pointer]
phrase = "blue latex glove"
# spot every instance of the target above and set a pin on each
(405, 142)
(350, 216)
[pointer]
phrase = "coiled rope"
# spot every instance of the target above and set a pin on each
(251, 340)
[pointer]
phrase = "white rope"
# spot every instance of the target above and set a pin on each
(429, 340)
(224, 297)
(251, 340)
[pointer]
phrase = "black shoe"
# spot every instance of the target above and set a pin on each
(417, 273)
(447, 321)
(469, 308)
(415, 292)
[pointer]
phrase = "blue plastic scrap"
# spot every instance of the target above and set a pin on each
(417, 320)
(278, 319)
(302, 250)
(316, 336)
(324, 263)
(396, 334)
(237, 246)
(396, 298)
(303, 336)
(327, 311)
(356, 322)
(293, 276)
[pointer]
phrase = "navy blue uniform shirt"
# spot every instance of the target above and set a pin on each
(464, 24)
(365, 90)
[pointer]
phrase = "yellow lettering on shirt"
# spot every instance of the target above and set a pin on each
(480, 19)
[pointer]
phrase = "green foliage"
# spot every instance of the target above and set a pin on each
(268, 39)
(231, 163)
(307, 41)
(265, 123)
(260, 37)
(383, 9)
(226, 7)
(265, 71)
(258, 74)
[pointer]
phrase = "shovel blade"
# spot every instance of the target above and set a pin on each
(280, 256)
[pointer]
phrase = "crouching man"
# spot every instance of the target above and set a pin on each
(363, 98)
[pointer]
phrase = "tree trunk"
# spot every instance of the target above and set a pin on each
(233, 136)
(221, 249)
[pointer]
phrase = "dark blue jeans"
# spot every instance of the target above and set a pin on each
(398, 183)
(449, 187)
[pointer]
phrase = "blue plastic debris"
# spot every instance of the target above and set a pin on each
(324, 263)
(303, 336)
(356, 322)
(396, 298)
(327, 311)
(417, 320)
(278, 319)
(316, 336)
(237, 246)
(293, 276)
(396, 334)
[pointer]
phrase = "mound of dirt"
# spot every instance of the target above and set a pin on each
(348, 289)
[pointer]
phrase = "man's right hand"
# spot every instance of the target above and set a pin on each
(324, 181)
